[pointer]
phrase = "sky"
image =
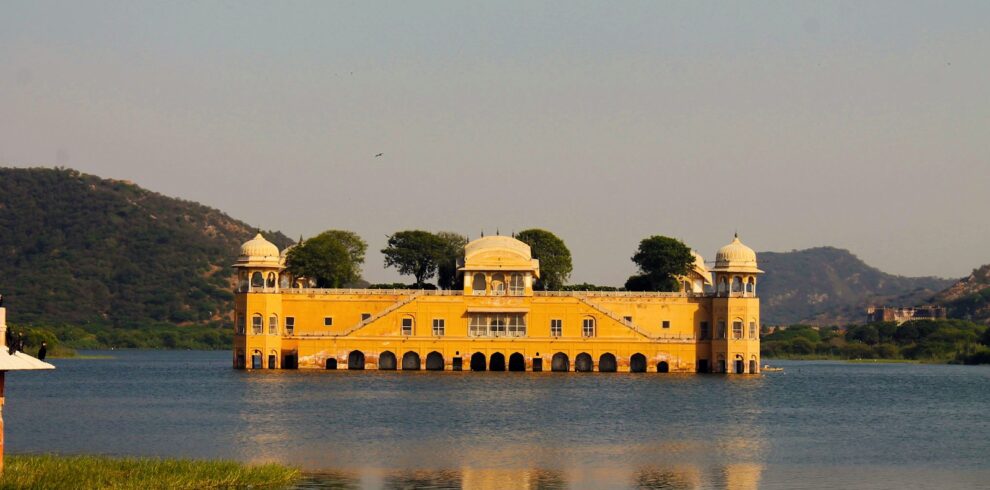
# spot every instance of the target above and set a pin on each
(859, 125)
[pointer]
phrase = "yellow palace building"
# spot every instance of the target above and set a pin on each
(498, 322)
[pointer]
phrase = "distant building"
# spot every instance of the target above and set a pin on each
(876, 314)
(498, 322)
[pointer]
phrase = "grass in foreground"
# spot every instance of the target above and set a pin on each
(99, 472)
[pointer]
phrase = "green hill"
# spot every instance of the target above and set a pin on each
(77, 249)
(827, 285)
(969, 298)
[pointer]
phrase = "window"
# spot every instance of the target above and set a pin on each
(479, 326)
(666, 324)
(365, 317)
(328, 321)
(588, 327)
(273, 325)
(270, 283)
(703, 331)
(257, 281)
(407, 326)
(257, 324)
(752, 330)
(750, 285)
(498, 284)
(240, 325)
(627, 319)
(479, 284)
(438, 326)
(737, 329)
(290, 325)
(496, 326)
(516, 285)
(517, 326)
(556, 327)
(720, 332)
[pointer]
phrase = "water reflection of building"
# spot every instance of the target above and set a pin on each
(497, 321)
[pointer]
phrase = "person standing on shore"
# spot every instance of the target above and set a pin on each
(43, 351)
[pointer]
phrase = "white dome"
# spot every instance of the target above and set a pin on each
(736, 256)
(259, 247)
(259, 252)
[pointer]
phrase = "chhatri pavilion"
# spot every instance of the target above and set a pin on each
(497, 322)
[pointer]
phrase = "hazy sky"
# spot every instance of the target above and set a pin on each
(862, 125)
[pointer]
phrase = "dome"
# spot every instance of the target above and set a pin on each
(699, 267)
(258, 251)
(737, 257)
(499, 253)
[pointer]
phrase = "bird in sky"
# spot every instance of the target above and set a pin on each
(378, 155)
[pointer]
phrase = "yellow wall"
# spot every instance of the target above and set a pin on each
(679, 345)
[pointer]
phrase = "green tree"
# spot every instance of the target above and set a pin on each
(453, 249)
(660, 260)
(414, 252)
(554, 257)
(332, 258)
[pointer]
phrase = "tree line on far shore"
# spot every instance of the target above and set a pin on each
(956, 341)
(333, 259)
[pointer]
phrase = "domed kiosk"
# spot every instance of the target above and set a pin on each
(496, 321)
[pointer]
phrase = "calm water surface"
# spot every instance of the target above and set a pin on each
(816, 425)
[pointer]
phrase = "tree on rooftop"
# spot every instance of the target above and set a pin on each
(554, 257)
(452, 249)
(332, 258)
(415, 252)
(660, 260)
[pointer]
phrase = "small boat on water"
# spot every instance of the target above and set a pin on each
(770, 369)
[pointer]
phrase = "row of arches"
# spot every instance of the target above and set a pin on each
(559, 362)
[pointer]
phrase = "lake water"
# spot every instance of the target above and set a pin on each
(816, 425)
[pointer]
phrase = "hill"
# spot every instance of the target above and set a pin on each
(78, 249)
(827, 285)
(968, 298)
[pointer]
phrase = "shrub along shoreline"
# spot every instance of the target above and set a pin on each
(50, 471)
(935, 341)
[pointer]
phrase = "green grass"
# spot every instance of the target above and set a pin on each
(44, 472)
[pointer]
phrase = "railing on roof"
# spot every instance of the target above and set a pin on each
(383, 292)
(623, 294)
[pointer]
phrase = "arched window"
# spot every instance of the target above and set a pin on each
(355, 360)
(754, 332)
(583, 363)
(751, 286)
(722, 285)
(478, 284)
(637, 363)
(410, 361)
(498, 284)
(242, 281)
(560, 363)
(737, 329)
(607, 363)
(257, 280)
(386, 361)
(588, 327)
(273, 325)
(257, 324)
(517, 362)
(434, 361)
(516, 285)
(270, 283)
(737, 285)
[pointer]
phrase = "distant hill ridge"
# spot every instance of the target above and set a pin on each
(827, 285)
(969, 298)
(76, 248)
